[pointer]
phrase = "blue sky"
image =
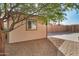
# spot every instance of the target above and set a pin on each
(72, 18)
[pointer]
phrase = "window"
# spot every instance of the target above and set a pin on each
(31, 24)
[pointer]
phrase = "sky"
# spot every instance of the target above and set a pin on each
(72, 18)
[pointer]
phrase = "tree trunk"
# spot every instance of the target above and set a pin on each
(46, 30)
(2, 47)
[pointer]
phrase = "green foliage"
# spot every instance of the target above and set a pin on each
(46, 11)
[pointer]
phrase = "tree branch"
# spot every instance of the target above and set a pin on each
(25, 18)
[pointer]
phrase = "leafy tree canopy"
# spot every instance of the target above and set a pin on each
(46, 11)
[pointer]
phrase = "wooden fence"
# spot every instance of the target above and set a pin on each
(63, 28)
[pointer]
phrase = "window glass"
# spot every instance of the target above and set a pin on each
(31, 24)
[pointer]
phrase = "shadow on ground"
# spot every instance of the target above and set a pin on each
(40, 47)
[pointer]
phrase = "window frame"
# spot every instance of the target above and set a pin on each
(27, 25)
